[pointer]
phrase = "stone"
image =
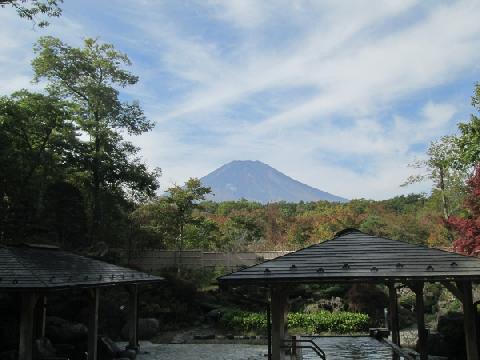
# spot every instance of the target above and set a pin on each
(204, 337)
(214, 315)
(61, 331)
(9, 355)
(109, 350)
(147, 328)
(450, 326)
(438, 345)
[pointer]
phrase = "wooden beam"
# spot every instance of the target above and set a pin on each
(133, 317)
(394, 321)
(279, 310)
(417, 288)
(94, 300)
(469, 320)
(27, 320)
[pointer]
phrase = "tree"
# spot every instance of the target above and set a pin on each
(38, 146)
(469, 138)
(468, 228)
(90, 77)
(32, 9)
(172, 221)
(184, 199)
(441, 168)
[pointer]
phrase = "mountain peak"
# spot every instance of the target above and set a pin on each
(256, 181)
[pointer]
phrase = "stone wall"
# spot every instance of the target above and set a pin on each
(155, 259)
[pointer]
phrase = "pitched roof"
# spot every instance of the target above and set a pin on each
(44, 267)
(355, 256)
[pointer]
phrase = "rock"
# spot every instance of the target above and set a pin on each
(44, 349)
(214, 315)
(61, 331)
(450, 327)
(147, 329)
(9, 355)
(438, 345)
(204, 337)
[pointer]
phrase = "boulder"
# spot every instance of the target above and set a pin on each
(147, 329)
(61, 331)
(109, 350)
(450, 327)
(214, 315)
(438, 345)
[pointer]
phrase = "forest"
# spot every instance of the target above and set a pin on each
(70, 176)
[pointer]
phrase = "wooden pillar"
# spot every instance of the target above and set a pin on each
(40, 316)
(420, 310)
(133, 317)
(94, 300)
(470, 320)
(27, 316)
(394, 323)
(279, 309)
(269, 333)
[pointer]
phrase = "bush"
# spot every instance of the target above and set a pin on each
(312, 323)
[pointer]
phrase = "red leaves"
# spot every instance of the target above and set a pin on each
(468, 228)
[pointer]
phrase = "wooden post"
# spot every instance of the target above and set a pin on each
(470, 320)
(27, 316)
(133, 317)
(420, 310)
(394, 323)
(94, 300)
(40, 316)
(279, 318)
(269, 333)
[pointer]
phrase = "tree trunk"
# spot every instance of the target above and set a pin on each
(446, 211)
(96, 213)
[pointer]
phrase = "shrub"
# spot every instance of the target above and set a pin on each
(317, 322)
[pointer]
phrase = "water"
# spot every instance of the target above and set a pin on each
(335, 348)
(350, 348)
(202, 352)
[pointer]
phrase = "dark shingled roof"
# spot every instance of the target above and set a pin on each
(355, 256)
(28, 267)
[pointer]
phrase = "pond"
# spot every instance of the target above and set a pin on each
(202, 352)
(350, 348)
(336, 348)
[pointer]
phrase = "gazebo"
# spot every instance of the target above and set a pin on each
(35, 271)
(352, 256)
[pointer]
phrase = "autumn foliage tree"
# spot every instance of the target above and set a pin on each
(468, 228)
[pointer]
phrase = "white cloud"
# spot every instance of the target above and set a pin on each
(237, 82)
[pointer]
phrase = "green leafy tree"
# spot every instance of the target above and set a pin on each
(184, 200)
(90, 77)
(35, 10)
(441, 168)
(38, 146)
(469, 138)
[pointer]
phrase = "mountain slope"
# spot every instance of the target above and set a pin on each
(256, 181)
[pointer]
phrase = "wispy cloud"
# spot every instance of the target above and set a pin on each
(339, 94)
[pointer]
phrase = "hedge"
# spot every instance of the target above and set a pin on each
(312, 323)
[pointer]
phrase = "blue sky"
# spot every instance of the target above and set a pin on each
(341, 95)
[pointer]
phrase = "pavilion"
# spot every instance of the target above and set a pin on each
(35, 271)
(352, 256)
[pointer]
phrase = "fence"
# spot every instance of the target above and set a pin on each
(154, 259)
